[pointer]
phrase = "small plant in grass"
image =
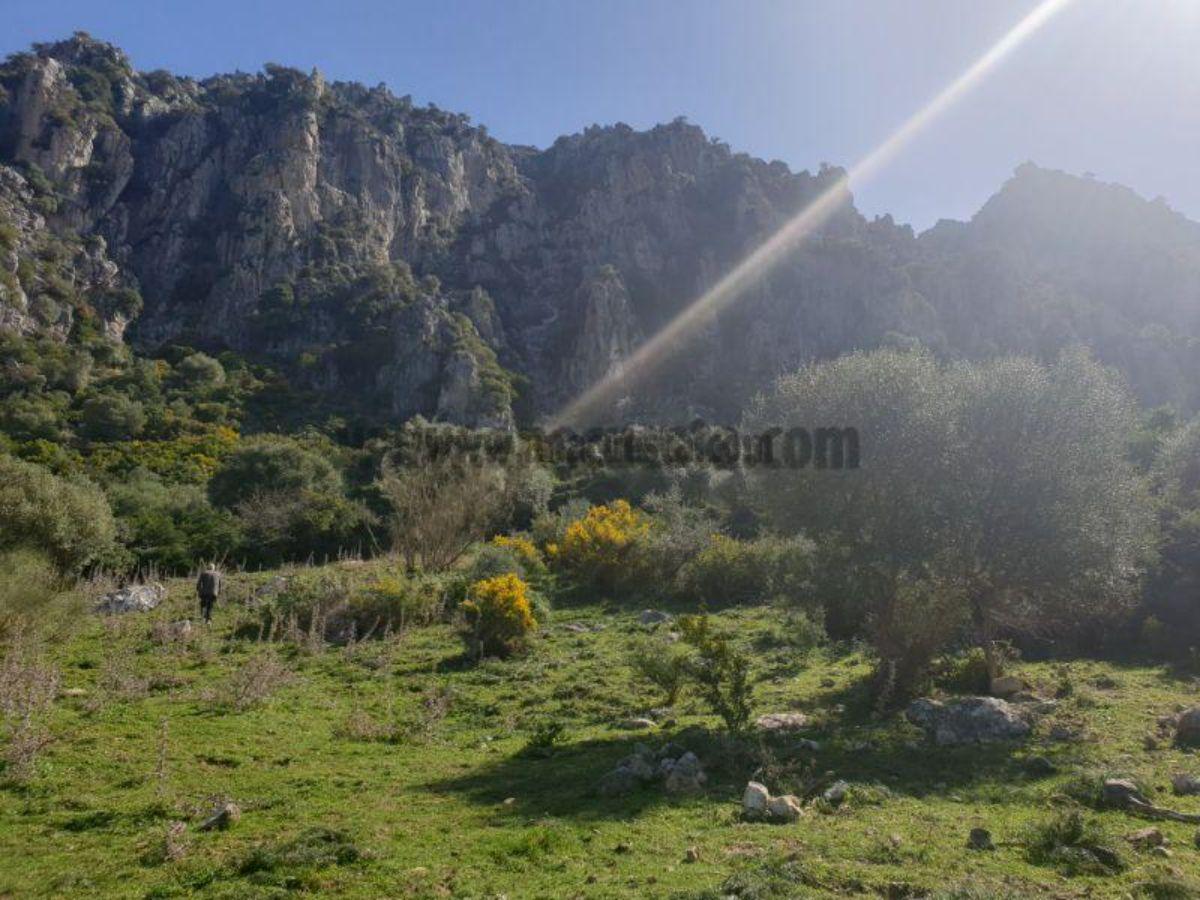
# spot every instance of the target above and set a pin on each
(1073, 845)
(721, 672)
(545, 738)
(497, 616)
(663, 664)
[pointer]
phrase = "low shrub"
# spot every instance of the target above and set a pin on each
(1073, 845)
(662, 663)
(729, 571)
(721, 672)
(497, 616)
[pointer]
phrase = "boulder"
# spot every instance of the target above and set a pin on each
(685, 776)
(780, 722)
(1184, 784)
(784, 808)
(971, 720)
(135, 598)
(755, 799)
(1187, 728)
(224, 815)
(1120, 792)
(836, 793)
(1145, 838)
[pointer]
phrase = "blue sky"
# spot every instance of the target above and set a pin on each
(1110, 87)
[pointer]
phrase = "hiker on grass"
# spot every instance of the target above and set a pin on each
(208, 586)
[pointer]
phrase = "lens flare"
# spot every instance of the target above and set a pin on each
(673, 336)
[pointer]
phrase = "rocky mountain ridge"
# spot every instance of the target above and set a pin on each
(401, 258)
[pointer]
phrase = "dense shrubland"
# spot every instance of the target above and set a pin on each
(1006, 500)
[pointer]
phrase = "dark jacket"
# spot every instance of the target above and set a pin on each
(208, 584)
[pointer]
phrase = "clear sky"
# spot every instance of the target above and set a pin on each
(1110, 87)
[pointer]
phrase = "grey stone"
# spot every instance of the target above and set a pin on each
(222, 817)
(784, 808)
(781, 722)
(136, 598)
(1184, 784)
(1187, 728)
(971, 720)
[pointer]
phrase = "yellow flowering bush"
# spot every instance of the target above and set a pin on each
(497, 616)
(520, 547)
(602, 548)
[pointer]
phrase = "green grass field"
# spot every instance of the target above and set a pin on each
(393, 769)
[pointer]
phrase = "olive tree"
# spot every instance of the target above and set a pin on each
(991, 497)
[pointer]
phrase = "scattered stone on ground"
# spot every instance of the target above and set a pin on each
(691, 855)
(980, 839)
(582, 628)
(759, 805)
(776, 723)
(1064, 734)
(1145, 838)
(970, 720)
(1120, 791)
(1187, 727)
(806, 745)
(1006, 686)
(1184, 784)
(654, 617)
(679, 771)
(784, 808)
(828, 683)
(755, 799)
(73, 692)
(835, 794)
(222, 817)
(135, 598)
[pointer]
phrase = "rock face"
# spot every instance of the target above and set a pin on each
(971, 720)
(402, 260)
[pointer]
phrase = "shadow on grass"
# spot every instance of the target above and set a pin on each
(565, 785)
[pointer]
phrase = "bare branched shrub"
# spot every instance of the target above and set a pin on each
(442, 507)
(119, 678)
(28, 686)
(253, 682)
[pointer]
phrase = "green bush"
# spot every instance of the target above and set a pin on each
(662, 663)
(29, 583)
(721, 672)
(729, 571)
(271, 464)
(67, 519)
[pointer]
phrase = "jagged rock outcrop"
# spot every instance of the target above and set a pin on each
(401, 260)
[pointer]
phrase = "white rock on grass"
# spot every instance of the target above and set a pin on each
(784, 808)
(755, 799)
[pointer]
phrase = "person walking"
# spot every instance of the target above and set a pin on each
(208, 587)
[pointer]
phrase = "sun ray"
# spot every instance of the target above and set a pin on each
(673, 336)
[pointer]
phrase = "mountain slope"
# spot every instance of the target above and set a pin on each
(397, 260)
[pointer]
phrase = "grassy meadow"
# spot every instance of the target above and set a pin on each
(393, 767)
